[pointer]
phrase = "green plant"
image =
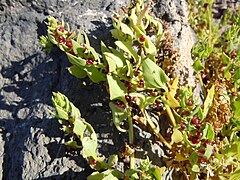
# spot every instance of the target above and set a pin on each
(204, 137)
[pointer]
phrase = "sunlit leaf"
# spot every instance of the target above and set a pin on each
(72, 144)
(225, 58)
(195, 168)
(180, 157)
(227, 73)
(79, 127)
(112, 58)
(149, 47)
(236, 108)
(89, 147)
(158, 172)
(185, 138)
(111, 63)
(154, 76)
(197, 65)
(177, 136)
(79, 37)
(126, 29)
(78, 61)
(210, 133)
(208, 101)
(130, 69)
(208, 151)
(235, 175)
(117, 88)
(77, 49)
(127, 47)
(109, 174)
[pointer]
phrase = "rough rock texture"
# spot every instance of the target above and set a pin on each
(30, 140)
(175, 13)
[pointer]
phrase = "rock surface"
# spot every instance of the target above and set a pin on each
(31, 144)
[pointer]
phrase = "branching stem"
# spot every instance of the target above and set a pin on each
(131, 137)
(154, 128)
(170, 114)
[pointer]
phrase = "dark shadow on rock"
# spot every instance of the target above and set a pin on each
(69, 175)
(31, 82)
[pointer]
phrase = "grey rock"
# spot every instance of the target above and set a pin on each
(31, 143)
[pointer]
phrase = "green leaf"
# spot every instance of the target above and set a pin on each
(208, 101)
(195, 168)
(159, 26)
(179, 157)
(236, 108)
(127, 47)
(104, 48)
(119, 115)
(89, 48)
(111, 63)
(132, 173)
(171, 101)
(126, 29)
(225, 58)
(76, 60)
(235, 175)
(197, 65)
(72, 144)
(77, 71)
(119, 60)
(133, 17)
(117, 88)
(110, 174)
(114, 61)
(112, 160)
(89, 147)
(210, 133)
(64, 108)
(193, 158)
(130, 69)
(208, 151)
(231, 150)
(158, 172)
(227, 73)
(96, 176)
(86, 39)
(79, 127)
(79, 37)
(149, 47)
(145, 164)
(154, 76)
(61, 113)
(185, 138)
(94, 74)
(45, 42)
(77, 49)
(177, 136)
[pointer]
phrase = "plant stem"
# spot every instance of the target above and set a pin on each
(131, 137)
(152, 125)
(170, 114)
(202, 85)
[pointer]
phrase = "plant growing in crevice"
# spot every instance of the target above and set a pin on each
(203, 136)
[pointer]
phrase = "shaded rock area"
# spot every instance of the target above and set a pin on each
(31, 143)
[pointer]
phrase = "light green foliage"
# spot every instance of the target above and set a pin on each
(137, 83)
(70, 118)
